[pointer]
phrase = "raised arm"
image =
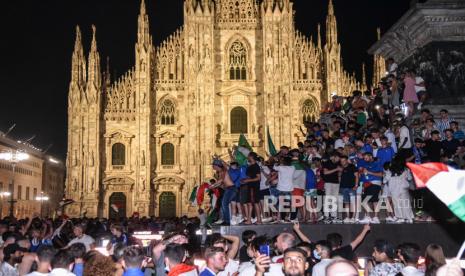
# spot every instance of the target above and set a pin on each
(358, 240)
(234, 248)
(299, 233)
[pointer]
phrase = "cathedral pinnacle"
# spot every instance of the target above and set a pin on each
(143, 36)
(330, 8)
(142, 7)
(94, 62)
(78, 41)
(78, 62)
(93, 47)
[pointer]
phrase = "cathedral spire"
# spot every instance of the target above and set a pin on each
(319, 36)
(331, 26)
(143, 35)
(379, 64)
(364, 76)
(330, 8)
(78, 68)
(94, 74)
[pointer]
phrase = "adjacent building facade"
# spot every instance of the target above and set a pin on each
(141, 143)
(39, 175)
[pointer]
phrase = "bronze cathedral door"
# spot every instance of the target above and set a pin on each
(117, 208)
(167, 205)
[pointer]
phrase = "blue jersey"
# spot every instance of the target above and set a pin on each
(367, 148)
(385, 155)
(235, 175)
(374, 166)
(310, 179)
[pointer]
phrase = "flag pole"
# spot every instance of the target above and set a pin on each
(462, 249)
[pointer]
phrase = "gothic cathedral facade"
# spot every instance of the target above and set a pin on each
(141, 143)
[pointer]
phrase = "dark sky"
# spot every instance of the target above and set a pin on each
(38, 38)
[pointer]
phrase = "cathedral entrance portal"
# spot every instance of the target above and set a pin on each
(117, 208)
(167, 205)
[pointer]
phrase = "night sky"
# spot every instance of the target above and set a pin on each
(38, 39)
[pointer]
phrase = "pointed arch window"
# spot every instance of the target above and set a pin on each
(118, 154)
(237, 61)
(167, 154)
(167, 112)
(309, 111)
(238, 120)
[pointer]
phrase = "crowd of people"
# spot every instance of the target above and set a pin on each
(68, 247)
(356, 153)
(353, 158)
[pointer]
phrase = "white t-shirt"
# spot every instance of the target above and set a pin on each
(85, 239)
(412, 271)
(339, 143)
(263, 179)
(391, 139)
(405, 133)
(393, 69)
(285, 178)
(418, 88)
(35, 273)
(320, 268)
(299, 179)
(275, 270)
(61, 272)
(231, 268)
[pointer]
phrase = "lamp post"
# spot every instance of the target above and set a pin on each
(14, 157)
(41, 198)
(3, 195)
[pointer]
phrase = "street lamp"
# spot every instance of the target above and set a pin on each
(41, 198)
(3, 195)
(14, 157)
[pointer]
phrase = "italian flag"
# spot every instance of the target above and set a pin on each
(242, 151)
(193, 196)
(447, 183)
(271, 148)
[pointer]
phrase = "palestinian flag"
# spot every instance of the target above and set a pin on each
(271, 148)
(242, 151)
(447, 183)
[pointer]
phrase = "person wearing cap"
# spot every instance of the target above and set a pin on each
(342, 142)
(87, 240)
(12, 256)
